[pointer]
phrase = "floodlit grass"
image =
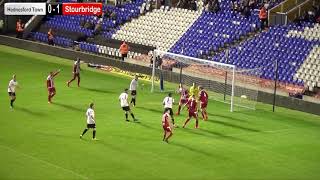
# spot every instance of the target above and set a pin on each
(41, 141)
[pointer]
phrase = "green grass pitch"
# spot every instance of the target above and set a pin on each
(41, 141)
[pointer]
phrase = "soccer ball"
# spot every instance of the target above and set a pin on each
(243, 96)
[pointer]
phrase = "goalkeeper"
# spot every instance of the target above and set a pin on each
(194, 91)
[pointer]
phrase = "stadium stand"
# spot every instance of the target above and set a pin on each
(294, 55)
(74, 27)
(199, 34)
(160, 28)
(267, 47)
(311, 34)
(310, 69)
(224, 27)
(213, 31)
(58, 40)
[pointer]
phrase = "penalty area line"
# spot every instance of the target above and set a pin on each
(44, 162)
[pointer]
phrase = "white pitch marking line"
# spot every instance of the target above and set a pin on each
(43, 161)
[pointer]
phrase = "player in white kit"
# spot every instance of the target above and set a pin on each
(123, 98)
(133, 89)
(13, 84)
(91, 122)
(168, 103)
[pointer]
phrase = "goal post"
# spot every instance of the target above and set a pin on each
(224, 82)
(153, 71)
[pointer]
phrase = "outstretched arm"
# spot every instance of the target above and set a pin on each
(56, 73)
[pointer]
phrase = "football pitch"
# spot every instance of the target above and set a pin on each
(41, 141)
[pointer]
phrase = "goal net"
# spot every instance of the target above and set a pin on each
(224, 82)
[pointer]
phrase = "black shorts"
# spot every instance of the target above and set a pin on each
(170, 109)
(12, 93)
(133, 92)
(124, 55)
(91, 126)
(126, 108)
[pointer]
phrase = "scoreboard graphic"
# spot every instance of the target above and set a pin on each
(53, 9)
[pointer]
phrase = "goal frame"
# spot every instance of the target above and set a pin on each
(233, 67)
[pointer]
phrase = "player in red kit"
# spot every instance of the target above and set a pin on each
(193, 111)
(50, 85)
(184, 96)
(167, 128)
(76, 72)
(203, 98)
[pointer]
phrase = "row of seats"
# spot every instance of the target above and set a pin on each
(311, 34)
(212, 31)
(159, 28)
(309, 72)
(58, 40)
(123, 14)
(68, 26)
(226, 4)
(104, 50)
(273, 45)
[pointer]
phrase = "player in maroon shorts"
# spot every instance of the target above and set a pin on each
(193, 111)
(167, 129)
(184, 96)
(50, 85)
(76, 72)
(203, 98)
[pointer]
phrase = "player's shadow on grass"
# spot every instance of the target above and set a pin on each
(151, 110)
(73, 108)
(109, 145)
(227, 117)
(205, 133)
(233, 125)
(28, 111)
(103, 91)
(134, 137)
(190, 148)
(148, 126)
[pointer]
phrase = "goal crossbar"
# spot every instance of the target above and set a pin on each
(193, 58)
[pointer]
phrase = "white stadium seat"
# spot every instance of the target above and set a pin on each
(309, 71)
(160, 28)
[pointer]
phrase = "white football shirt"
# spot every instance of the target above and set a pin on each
(123, 99)
(168, 102)
(90, 116)
(77, 67)
(12, 86)
(133, 85)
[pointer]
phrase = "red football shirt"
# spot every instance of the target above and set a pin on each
(50, 83)
(76, 68)
(192, 103)
(203, 96)
(165, 120)
(184, 95)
